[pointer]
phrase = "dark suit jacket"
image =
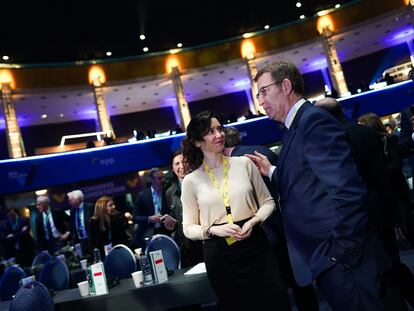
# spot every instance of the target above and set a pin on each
(405, 141)
(273, 224)
(368, 153)
(61, 221)
(144, 207)
(88, 210)
(324, 212)
(23, 239)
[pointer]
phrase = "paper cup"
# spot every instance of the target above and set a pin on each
(138, 278)
(84, 264)
(83, 288)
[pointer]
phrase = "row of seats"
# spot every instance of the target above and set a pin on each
(54, 274)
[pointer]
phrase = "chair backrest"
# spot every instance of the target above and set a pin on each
(170, 250)
(120, 262)
(10, 282)
(32, 297)
(41, 258)
(55, 274)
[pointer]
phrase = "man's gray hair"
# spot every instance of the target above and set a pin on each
(43, 199)
(76, 194)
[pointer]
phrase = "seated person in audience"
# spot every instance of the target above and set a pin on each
(106, 226)
(15, 237)
(150, 206)
(80, 214)
(51, 226)
(191, 251)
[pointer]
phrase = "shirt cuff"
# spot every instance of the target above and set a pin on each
(270, 173)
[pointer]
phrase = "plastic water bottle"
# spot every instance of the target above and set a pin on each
(146, 269)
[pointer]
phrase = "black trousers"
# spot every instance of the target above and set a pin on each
(244, 275)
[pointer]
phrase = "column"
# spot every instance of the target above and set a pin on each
(182, 105)
(334, 65)
(103, 116)
(14, 137)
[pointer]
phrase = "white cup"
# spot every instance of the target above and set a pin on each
(84, 264)
(83, 288)
(138, 278)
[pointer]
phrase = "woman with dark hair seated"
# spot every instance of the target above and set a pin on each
(106, 226)
(224, 202)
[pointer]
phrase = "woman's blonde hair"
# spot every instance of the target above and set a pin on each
(373, 121)
(100, 212)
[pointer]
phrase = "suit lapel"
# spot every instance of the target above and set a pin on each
(288, 138)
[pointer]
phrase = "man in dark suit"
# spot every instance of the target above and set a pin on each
(322, 195)
(305, 297)
(80, 214)
(150, 205)
(368, 153)
(15, 237)
(51, 226)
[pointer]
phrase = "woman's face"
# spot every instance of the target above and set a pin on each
(110, 208)
(177, 166)
(213, 141)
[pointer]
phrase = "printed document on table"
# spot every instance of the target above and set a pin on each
(197, 269)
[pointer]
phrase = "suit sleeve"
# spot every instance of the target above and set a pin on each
(139, 217)
(405, 141)
(329, 157)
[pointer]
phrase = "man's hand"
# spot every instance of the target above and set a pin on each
(170, 224)
(64, 236)
(128, 216)
(155, 218)
(261, 162)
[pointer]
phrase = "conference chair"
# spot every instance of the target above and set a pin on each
(10, 282)
(32, 297)
(120, 262)
(41, 258)
(55, 274)
(170, 250)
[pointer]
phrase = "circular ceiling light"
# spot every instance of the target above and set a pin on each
(337, 6)
(142, 37)
(179, 45)
(109, 53)
(266, 27)
(302, 16)
(5, 57)
(44, 116)
(145, 49)
(298, 4)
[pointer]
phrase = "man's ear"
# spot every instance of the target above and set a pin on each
(287, 86)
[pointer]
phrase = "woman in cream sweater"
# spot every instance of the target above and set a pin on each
(224, 202)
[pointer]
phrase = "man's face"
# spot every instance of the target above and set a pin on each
(74, 202)
(177, 166)
(158, 180)
(41, 206)
(272, 98)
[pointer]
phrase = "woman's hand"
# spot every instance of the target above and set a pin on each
(247, 228)
(225, 230)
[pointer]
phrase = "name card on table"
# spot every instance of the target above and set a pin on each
(97, 280)
(158, 267)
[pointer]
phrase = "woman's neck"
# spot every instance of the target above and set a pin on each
(213, 160)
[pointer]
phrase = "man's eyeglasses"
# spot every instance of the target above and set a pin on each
(262, 91)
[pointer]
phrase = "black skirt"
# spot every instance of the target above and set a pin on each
(245, 275)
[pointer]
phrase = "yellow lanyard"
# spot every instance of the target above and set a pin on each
(224, 191)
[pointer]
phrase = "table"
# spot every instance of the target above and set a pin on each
(180, 290)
